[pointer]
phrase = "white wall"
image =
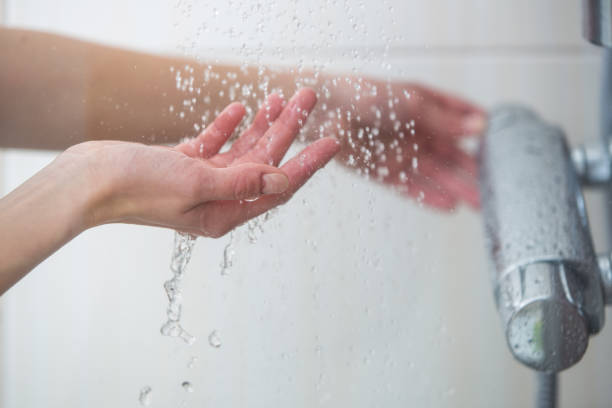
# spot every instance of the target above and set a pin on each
(2, 6)
(352, 296)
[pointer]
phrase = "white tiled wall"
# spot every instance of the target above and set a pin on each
(352, 296)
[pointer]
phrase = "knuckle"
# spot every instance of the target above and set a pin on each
(246, 185)
(215, 130)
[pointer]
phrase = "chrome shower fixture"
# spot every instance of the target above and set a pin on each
(548, 283)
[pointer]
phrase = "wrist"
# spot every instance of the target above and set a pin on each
(84, 188)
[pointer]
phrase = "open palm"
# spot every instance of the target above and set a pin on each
(194, 188)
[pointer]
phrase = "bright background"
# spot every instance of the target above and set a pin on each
(351, 296)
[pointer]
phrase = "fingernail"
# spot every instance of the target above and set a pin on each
(274, 183)
(474, 123)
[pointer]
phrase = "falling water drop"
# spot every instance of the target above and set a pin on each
(192, 361)
(187, 386)
(214, 340)
(183, 246)
(228, 255)
(145, 396)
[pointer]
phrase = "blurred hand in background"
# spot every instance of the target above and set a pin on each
(407, 136)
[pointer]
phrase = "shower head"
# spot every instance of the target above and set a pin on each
(545, 272)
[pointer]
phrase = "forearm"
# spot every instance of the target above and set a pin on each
(200, 191)
(38, 218)
(58, 91)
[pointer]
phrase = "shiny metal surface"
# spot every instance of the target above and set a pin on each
(545, 329)
(597, 21)
(547, 390)
(605, 269)
(545, 272)
(606, 127)
(592, 163)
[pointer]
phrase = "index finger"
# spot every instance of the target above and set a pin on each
(273, 145)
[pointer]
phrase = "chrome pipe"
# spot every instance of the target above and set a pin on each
(597, 21)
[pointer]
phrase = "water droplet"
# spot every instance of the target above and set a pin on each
(187, 386)
(183, 246)
(187, 338)
(192, 361)
(214, 340)
(228, 255)
(145, 396)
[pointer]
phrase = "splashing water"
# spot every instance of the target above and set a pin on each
(228, 255)
(354, 109)
(371, 103)
(145, 396)
(183, 246)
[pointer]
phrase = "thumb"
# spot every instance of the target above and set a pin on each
(246, 181)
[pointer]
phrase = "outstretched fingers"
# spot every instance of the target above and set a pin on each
(443, 115)
(273, 145)
(219, 217)
(212, 139)
(300, 168)
(264, 118)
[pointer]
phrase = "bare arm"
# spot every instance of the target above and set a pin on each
(190, 187)
(57, 91)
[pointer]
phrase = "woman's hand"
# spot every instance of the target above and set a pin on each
(405, 135)
(194, 188)
(190, 187)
